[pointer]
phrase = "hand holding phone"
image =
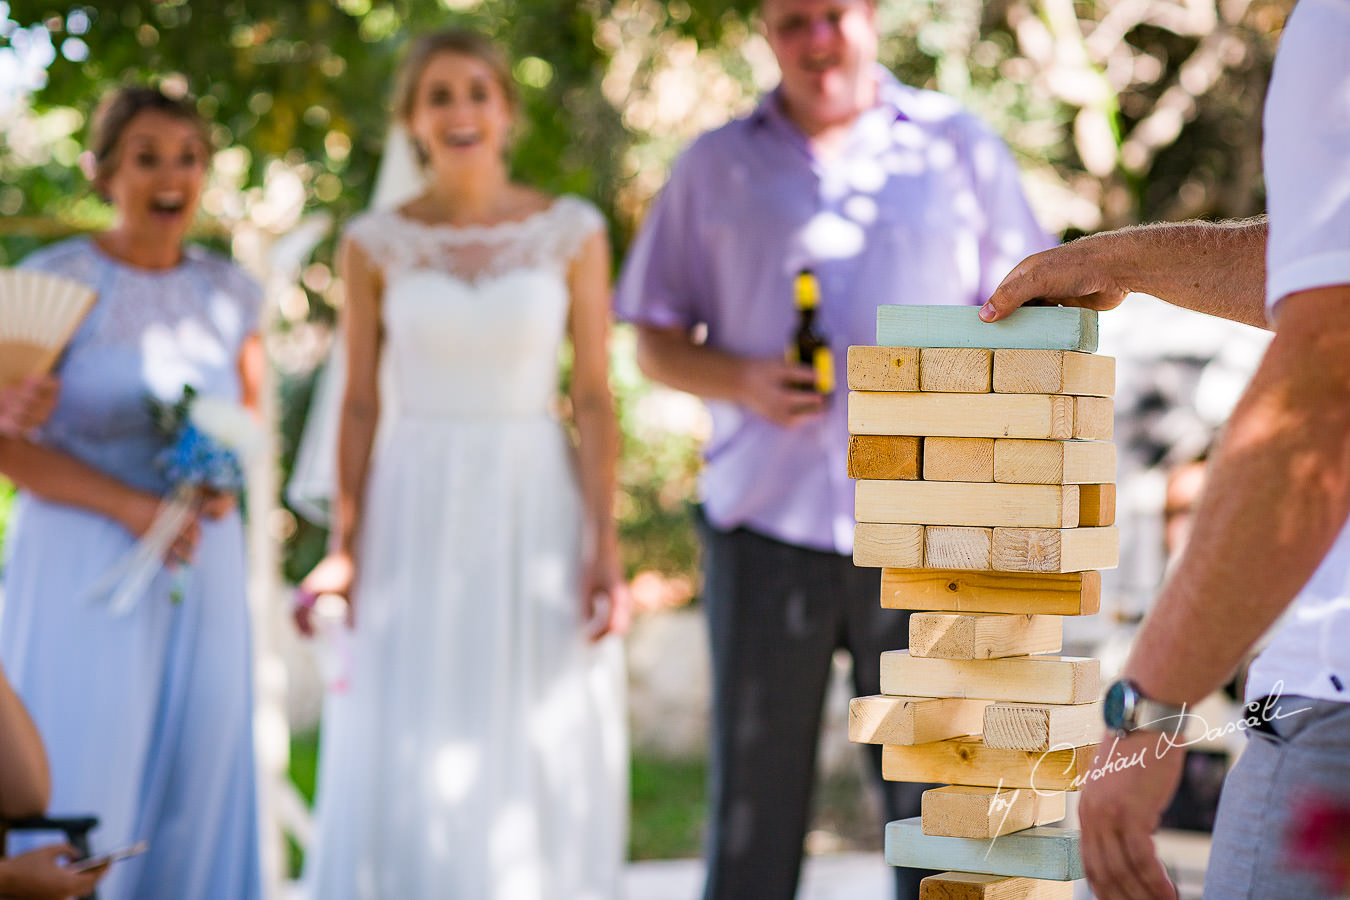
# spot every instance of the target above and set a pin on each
(102, 859)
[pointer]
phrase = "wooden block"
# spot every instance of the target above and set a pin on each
(1054, 462)
(882, 719)
(987, 812)
(1040, 726)
(959, 370)
(1047, 851)
(960, 503)
(885, 457)
(958, 547)
(958, 459)
(972, 886)
(1096, 505)
(983, 635)
(883, 368)
(1031, 327)
(1053, 372)
(1022, 679)
(1055, 549)
(1037, 416)
(1072, 594)
(1094, 418)
(968, 761)
(879, 544)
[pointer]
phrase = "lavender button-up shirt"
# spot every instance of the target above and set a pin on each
(923, 207)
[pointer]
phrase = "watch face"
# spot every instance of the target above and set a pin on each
(1113, 706)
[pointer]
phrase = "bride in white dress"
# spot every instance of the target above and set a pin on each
(479, 750)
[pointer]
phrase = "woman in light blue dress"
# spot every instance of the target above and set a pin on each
(145, 713)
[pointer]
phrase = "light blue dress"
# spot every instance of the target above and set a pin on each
(146, 716)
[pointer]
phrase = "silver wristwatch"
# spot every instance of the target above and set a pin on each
(1127, 710)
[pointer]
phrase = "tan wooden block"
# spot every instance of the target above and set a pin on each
(957, 370)
(1019, 461)
(884, 456)
(958, 547)
(968, 761)
(879, 544)
(1096, 505)
(983, 635)
(962, 503)
(1041, 726)
(972, 886)
(1055, 549)
(958, 459)
(988, 812)
(882, 719)
(1021, 679)
(962, 415)
(1071, 594)
(1094, 418)
(883, 368)
(1053, 372)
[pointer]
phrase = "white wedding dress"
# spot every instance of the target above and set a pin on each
(479, 750)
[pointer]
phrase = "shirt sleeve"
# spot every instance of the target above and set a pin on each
(665, 276)
(1011, 232)
(1307, 153)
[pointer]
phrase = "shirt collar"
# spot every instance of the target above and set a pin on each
(890, 102)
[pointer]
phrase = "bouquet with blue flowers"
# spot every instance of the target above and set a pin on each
(207, 440)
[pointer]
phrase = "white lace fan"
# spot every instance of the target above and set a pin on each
(38, 315)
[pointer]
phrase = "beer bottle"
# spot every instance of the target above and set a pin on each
(809, 346)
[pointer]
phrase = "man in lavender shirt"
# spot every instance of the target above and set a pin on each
(890, 195)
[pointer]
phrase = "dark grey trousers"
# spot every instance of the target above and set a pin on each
(776, 614)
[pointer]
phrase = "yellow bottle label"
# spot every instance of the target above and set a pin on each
(807, 291)
(824, 366)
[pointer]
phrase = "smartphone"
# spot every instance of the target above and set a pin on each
(93, 862)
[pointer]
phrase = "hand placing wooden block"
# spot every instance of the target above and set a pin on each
(1031, 327)
(987, 812)
(1022, 679)
(968, 761)
(1096, 505)
(884, 457)
(983, 635)
(961, 370)
(880, 544)
(1072, 594)
(972, 886)
(958, 459)
(958, 547)
(1041, 726)
(883, 368)
(1053, 462)
(1055, 550)
(882, 719)
(959, 503)
(1031, 416)
(1053, 372)
(1047, 851)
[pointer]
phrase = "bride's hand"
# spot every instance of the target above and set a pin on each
(606, 605)
(333, 575)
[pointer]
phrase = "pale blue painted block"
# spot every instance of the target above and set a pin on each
(1030, 328)
(1043, 852)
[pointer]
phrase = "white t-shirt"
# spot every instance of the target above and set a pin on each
(1307, 165)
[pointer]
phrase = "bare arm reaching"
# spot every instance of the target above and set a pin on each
(1214, 268)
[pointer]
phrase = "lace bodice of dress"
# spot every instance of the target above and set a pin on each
(473, 316)
(149, 334)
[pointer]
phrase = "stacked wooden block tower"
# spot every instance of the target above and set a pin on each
(985, 492)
